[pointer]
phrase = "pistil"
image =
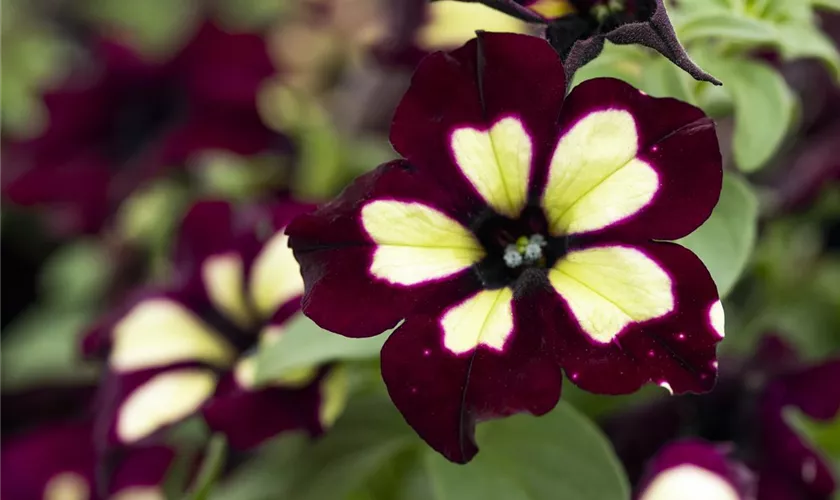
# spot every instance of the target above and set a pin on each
(525, 251)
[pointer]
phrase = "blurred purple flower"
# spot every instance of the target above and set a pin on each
(192, 347)
(812, 160)
(48, 451)
(59, 461)
(746, 411)
(113, 126)
(695, 470)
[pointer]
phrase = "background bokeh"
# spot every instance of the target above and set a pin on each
(118, 115)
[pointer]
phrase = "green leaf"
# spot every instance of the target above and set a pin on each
(155, 27)
(268, 474)
(559, 455)
(625, 62)
(822, 436)
(304, 344)
(252, 14)
(211, 469)
(725, 26)
(76, 275)
(42, 346)
(801, 40)
(764, 109)
(371, 454)
(726, 240)
(319, 143)
(363, 442)
(662, 78)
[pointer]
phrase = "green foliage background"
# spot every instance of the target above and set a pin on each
(772, 267)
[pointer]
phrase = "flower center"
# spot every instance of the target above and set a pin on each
(526, 251)
(604, 9)
(514, 246)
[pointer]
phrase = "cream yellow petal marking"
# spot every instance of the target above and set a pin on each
(497, 162)
(452, 24)
(275, 277)
(163, 400)
(594, 177)
(552, 9)
(245, 372)
(608, 288)
(717, 319)
(416, 243)
(139, 493)
(485, 319)
(67, 486)
(224, 279)
(159, 332)
(689, 482)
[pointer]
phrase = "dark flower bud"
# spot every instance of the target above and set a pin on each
(577, 29)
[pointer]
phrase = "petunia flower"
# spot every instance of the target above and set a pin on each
(125, 120)
(746, 412)
(59, 461)
(192, 348)
(521, 234)
(48, 451)
(788, 467)
(577, 29)
(812, 163)
(695, 470)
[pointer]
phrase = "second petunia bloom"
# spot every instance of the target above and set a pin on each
(521, 236)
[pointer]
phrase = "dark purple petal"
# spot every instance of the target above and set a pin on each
(249, 245)
(638, 433)
(699, 466)
(207, 229)
(335, 254)
(442, 394)
(250, 417)
(221, 68)
(73, 189)
(676, 351)
(58, 460)
(813, 164)
(774, 355)
(25, 409)
(30, 462)
(143, 467)
(485, 80)
(241, 132)
(676, 139)
(397, 47)
(122, 421)
(786, 461)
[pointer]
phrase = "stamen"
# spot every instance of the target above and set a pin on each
(512, 257)
(532, 253)
(525, 250)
